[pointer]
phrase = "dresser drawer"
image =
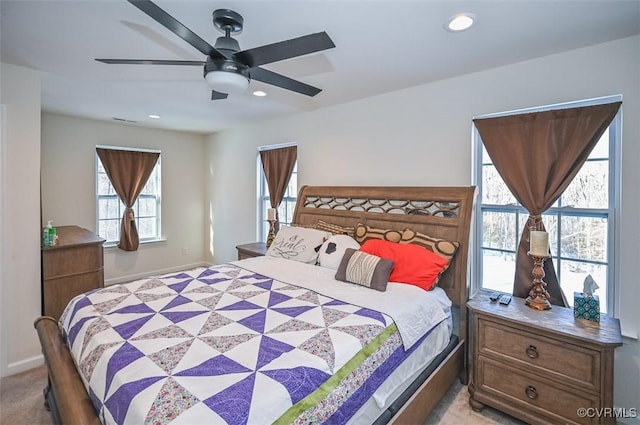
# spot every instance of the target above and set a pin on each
(564, 362)
(72, 260)
(58, 292)
(553, 402)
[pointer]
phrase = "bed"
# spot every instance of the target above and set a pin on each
(393, 392)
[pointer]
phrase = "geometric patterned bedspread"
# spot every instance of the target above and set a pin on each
(226, 345)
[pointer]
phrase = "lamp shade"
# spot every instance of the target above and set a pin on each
(227, 82)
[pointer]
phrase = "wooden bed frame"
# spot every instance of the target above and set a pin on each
(441, 212)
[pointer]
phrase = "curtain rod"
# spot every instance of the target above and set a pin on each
(280, 146)
(573, 104)
(125, 148)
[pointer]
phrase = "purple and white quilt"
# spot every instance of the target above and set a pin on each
(227, 345)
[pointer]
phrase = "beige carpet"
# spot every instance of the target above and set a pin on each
(21, 403)
(454, 409)
(21, 399)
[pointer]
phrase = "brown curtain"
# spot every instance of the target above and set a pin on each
(278, 165)
(128, 172)
(538, 155)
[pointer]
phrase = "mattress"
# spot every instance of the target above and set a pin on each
(388, 392)
(208, 345)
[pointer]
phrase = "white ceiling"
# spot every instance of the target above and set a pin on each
(381, 46)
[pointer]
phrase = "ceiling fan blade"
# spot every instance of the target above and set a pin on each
(216, 95)
(149, 62)
(176, 27)
(285, 49)
(279, 80)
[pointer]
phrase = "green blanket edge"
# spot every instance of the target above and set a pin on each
(330, 384)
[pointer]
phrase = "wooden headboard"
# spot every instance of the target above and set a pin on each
(441, 212)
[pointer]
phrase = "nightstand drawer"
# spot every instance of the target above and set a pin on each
(567, 363)
(535, 395)
(243, 255)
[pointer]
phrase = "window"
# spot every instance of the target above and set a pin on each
(110, 208)
(286, 208)
(581, 224)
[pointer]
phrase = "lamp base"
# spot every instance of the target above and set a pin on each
(538, 296)
(539, 303)
(271, 235)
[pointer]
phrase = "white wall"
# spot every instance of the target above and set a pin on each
(69, 189)
(422, 136)
(19, 219)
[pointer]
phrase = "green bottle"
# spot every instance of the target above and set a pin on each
(45, 237)
(51, 240)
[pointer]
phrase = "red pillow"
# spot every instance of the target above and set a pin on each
(413, 264)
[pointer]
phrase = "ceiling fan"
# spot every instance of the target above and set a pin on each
(228, 69)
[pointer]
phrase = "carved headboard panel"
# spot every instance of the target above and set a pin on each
(441, 212)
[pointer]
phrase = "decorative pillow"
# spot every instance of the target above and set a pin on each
(364, 269)
(364, 233)
(298, 244)
(441, 247)
(333, 249)
(336, 229)
(306, 226)
(414, 264)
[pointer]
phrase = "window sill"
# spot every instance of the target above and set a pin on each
(109, 245)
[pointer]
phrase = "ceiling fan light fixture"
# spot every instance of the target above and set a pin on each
(225, 76)
(227, 82)
(460, 22)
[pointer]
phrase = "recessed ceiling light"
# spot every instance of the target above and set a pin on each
(259, 93)
(461, 22)
(155, 117)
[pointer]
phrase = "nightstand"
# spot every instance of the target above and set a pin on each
(540, 366)
(254, 249)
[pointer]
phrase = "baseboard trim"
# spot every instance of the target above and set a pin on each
(23, 365)
(132, 277)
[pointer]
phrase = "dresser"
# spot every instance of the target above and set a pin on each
(73, 266)
(254, 249)
(541, 366)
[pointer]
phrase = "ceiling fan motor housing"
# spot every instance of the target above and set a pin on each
(227, 45)
(226, 65)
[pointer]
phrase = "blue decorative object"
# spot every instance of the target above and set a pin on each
(586, 306)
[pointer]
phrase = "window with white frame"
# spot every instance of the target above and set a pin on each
(110, 208)
(581, 224)
(287, 206)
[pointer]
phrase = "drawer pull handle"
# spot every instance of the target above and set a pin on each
(532, 351)
(531, 392)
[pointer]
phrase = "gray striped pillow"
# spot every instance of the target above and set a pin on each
(364, 269)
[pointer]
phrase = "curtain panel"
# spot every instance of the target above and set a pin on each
(278, 166)
(128, 172)
(538, 155)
